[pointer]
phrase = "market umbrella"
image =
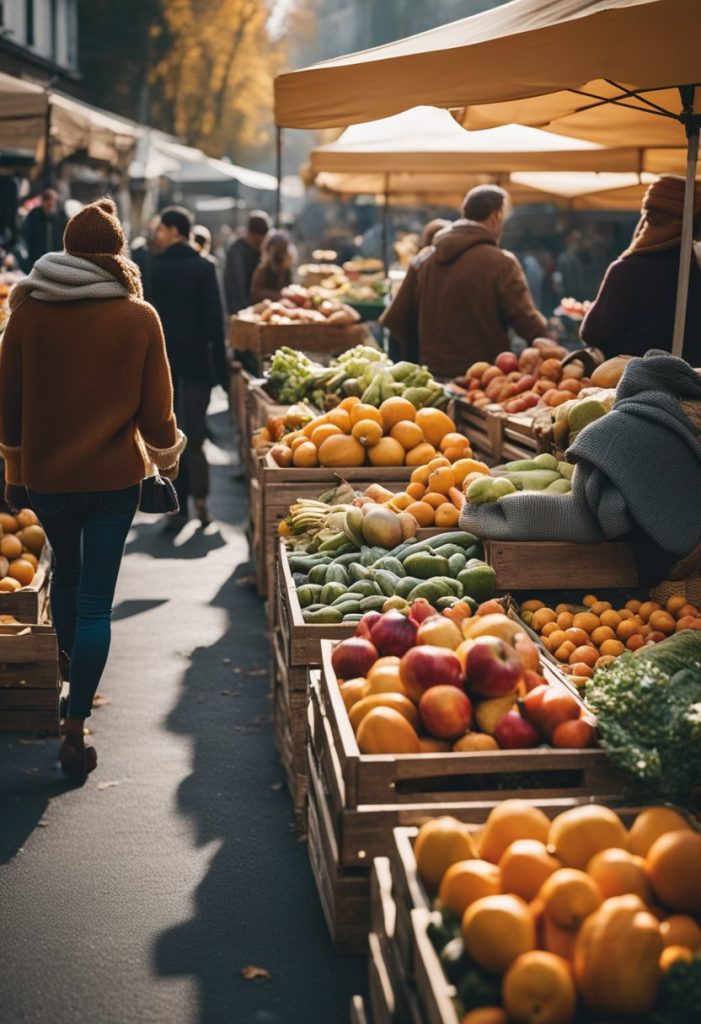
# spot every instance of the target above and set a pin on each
(582, 55)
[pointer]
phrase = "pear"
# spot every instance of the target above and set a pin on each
(488, 713)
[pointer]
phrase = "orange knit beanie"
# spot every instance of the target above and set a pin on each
(667, 196)
(95, 234)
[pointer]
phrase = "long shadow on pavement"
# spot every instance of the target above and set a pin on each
(30, 778)
(257, 905)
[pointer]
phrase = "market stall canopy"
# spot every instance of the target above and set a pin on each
(23, 108)
(518, 50)
(162, 156)
(585, 190)
(427, 139)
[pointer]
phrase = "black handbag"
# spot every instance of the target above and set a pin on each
(158, 496)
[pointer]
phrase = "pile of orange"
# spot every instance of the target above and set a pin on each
(571, 913)
(587, 637)
(354, 434)
(435, 494)
(21, 543)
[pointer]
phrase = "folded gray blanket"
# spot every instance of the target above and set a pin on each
(639, 465)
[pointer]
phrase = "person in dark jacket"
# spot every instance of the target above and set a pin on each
(242, 259)
(43, 227)
(634, 310)
(274, 272)
(185, 293)
(461, 295)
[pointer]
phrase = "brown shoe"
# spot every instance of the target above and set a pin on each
(201, 511)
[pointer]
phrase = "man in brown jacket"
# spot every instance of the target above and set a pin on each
(460, 297)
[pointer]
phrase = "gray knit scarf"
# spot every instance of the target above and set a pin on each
(60, 277)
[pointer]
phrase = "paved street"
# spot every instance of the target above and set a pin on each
(141, 897)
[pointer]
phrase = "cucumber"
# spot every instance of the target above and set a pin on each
(391, 565)
(406, 585)
(413, 549)
(347, 559)
(366, 556)
(331, 591)
(454, 586)
(308, 594)
(337, 574)
(456, 564)
(386, 581)
(372, 604)
(347, 607)
(432, 590)
(475, 551)
(323, 615)
(460, 537)
(357, 572)
(448, 550)
(446, 602)
(305, 563)
(353, 617)
(378, 553)
(364, 588)
(317, 574)
(299, 579)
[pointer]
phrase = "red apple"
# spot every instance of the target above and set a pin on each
(426, 666)
(493, 667)
(421, 610)
(557, 706)
(507, 362)
(514, 733)
(530, 704)
(527, 651)
(366, 623)
(445, 711)
(440, 632)
(393, 633)
(353, 657)
(533, 679)
(575, 733)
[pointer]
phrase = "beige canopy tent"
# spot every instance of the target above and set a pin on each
(584, 58)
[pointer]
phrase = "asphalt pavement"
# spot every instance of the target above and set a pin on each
(141, 898)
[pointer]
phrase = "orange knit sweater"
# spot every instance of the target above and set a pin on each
(86, 399)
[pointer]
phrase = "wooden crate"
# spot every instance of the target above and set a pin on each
(30, 604)
(483, 431)
(435, 993)
(520, 438)
(290, 726)
(261, 340)
(29, 679)
(554, 565)
(383, 924)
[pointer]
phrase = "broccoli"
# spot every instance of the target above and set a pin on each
(679, 998)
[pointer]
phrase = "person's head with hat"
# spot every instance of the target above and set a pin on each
(662, 210)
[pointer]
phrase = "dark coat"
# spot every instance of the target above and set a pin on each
(241, 262)
(634, 310)
(43, 234)
(459, 299)
(184, 290)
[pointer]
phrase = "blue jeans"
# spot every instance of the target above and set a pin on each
(87, 532)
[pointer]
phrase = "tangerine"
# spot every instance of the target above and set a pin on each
(467, 881)
(539, 989)
(618, 872)
(395, 410)
(420, 455)
(650, 824)
(681, 930)
(447, 515)
(407, 433)
(674, 870)
(21, 570)
(525, 865)
(441, 842)
(435, 424)
(362, 411)
(496, 930)
(580, 832)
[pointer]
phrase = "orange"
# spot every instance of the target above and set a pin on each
(437, 462)
(394, 410)
(387, 452)
(467, 881)
(462, 467)
(300, 439)
(385, 731)
(27, 556)
(635, 642)
(8, 585)
(569, 896)
(554, 637)
(647, 608)
(352, 691)
(8, 523)
(446, 515)
(306, 454)
(551, 627)
(681, 930)
(565, 650)
(364, 412)
(435, 424)
(433, 499)
(485, 1015)
(340, 418)
(618, 872)
(22, 571)
(416, 490)
(673, 954)
(612, 647)
(420, 455)
(323, 431)
(674, 869)
(496, 930)
(453, 440)
(539, 989)
(407, 433)
(341, 450)
(652, 823)
(625, 613)
(10, 546)
(511, 820)
(564, 620)
(600, 607)
(33, 538)
(662, 621)
(422, 512)
(420, 474)
(688, 609)
(396, 701)
(400, 501)
(589, 599)
(348, 403)
(542, 616)
(587, 621)
(441, 480)
(441, 842)
(525, 865)
(310, 427)
(633, 606)
(610, 618)
(368, 432)
(674, 603)
(602, 633)
(580, 832)
(626, 629)
(584, 655)
(27, 517)
(578, 636)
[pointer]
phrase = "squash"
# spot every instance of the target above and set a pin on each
(616, 958)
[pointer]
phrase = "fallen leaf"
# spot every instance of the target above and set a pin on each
(31, 743)
(111, 783)
(245, 581)
(237, 669)
(251, 973)
(257, 671)
(225, 693)
(226, 661)
(100, 699)
(43, 823)
(276, 786)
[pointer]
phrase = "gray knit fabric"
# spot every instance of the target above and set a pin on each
(61, 277)
(640, 464)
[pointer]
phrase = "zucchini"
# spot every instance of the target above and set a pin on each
(337, 574)
(386, 581)
(317, 574)
(406, 585)
(323, 615)
(308, 594)
(331, 591)
(364, 588)
(372, 604)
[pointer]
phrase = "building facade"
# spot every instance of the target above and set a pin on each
(39, 39)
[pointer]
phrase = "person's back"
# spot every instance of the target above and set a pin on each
(43, 227)
(242, 259)
(461, 297)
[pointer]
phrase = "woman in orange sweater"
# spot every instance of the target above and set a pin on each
(86, 409)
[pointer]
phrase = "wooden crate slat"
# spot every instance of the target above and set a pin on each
(262, 339)
(548, 565)
(30, 604)
(27, 699)
(357, 1011)
(43, 721)
(29, 679)
(435, 992)
(382, 998)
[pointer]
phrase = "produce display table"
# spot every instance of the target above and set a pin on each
(553, 565)
(261, 340)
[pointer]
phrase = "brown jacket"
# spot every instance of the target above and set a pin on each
(86, 401)
(459, 299)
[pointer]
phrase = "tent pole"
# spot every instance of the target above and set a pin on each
(278, 169)
(692, 131)
(47, 170)
(385, 227)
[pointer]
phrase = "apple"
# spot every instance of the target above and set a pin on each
(575, 733)
(530, 704)
(393, 633)
(353, 657)
(507, 362)
(445, 712)
(557, 706)
(493, 667)
(533, 679)
(462, 652)
(425, 666)
(527, 651)
(514, 733)
(366, 623)
(439, 632)
(421, 610)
